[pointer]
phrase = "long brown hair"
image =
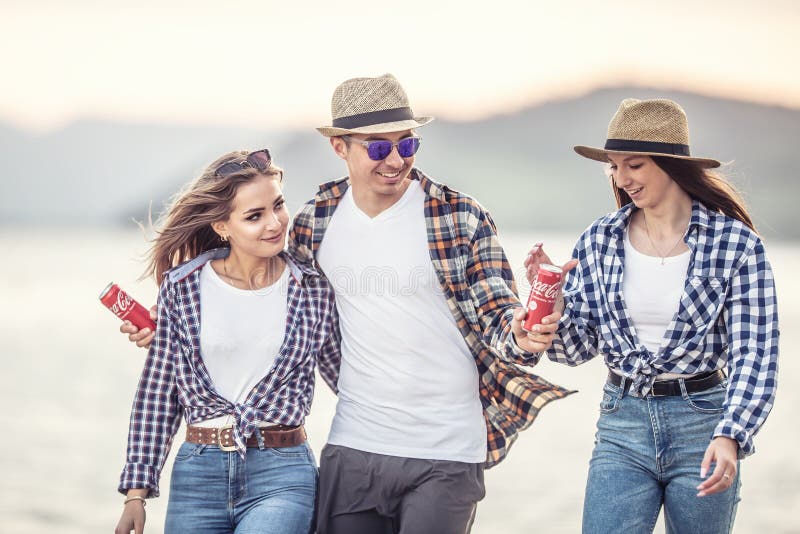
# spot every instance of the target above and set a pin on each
(184, 229)
(710, 188)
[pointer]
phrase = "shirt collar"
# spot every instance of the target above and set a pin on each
(298, 269)
(432, 188)
(333, 190)
(701, 215)
(615, 223)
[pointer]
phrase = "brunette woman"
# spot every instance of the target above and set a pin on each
(240, 326)
(675, 292)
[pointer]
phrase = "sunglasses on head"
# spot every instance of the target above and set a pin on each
(379, 150)
(259, 160)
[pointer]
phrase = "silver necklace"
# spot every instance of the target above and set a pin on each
(647, 231)
(231, 279)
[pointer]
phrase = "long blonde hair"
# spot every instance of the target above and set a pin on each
(184, 230)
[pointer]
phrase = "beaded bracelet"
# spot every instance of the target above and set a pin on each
(135, 498)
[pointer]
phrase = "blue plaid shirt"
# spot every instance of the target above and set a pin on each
(727, 316)
(175, 381)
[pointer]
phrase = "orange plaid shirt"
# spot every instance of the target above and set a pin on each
(481, 294)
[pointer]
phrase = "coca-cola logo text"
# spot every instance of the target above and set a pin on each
(123, 303)
(544, 290)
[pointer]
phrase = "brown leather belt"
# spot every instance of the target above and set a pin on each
(672, 388)
(274, 436)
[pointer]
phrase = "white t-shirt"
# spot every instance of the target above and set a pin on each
(408, 384)
(652, 292)
(241, 333)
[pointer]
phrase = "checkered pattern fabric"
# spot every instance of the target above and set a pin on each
(481, 294)
(175, 381)
(727, 316)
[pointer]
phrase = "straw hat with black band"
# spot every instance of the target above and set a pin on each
(371, 105)
(649, 128)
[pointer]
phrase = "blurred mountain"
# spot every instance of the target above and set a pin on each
(520, 165)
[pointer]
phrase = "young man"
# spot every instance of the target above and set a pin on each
(428, 390)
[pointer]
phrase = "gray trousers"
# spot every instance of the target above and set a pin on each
(366, 493)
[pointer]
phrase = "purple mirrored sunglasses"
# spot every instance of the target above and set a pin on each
(380, 149)
(259, 160)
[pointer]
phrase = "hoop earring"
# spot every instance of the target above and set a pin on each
(223, 238)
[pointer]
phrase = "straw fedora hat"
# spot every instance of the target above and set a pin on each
(650, 128)
(371, 105)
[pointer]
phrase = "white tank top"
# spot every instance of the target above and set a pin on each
(652, 292)
(241, 332)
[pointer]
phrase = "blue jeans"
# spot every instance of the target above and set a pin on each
(647, 454)
(213, 491)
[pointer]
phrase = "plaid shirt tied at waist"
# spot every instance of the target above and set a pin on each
(175, 381)
(727, 316)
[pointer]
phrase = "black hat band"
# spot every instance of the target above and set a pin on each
(373, 117)
(626, 145)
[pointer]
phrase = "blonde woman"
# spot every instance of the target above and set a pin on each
(675, 292)
(240, 326)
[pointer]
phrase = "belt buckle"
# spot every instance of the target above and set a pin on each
(219, 438)
(654, 394)
(666, 386)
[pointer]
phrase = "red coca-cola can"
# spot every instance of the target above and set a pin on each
(125, 307)
(543, 294)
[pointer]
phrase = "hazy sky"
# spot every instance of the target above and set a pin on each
(276, 63)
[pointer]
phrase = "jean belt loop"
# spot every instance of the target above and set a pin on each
(260, 439)
(682, 384)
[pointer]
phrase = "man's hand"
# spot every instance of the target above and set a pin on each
(722, 451)
(143, 338)
(540, 338)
